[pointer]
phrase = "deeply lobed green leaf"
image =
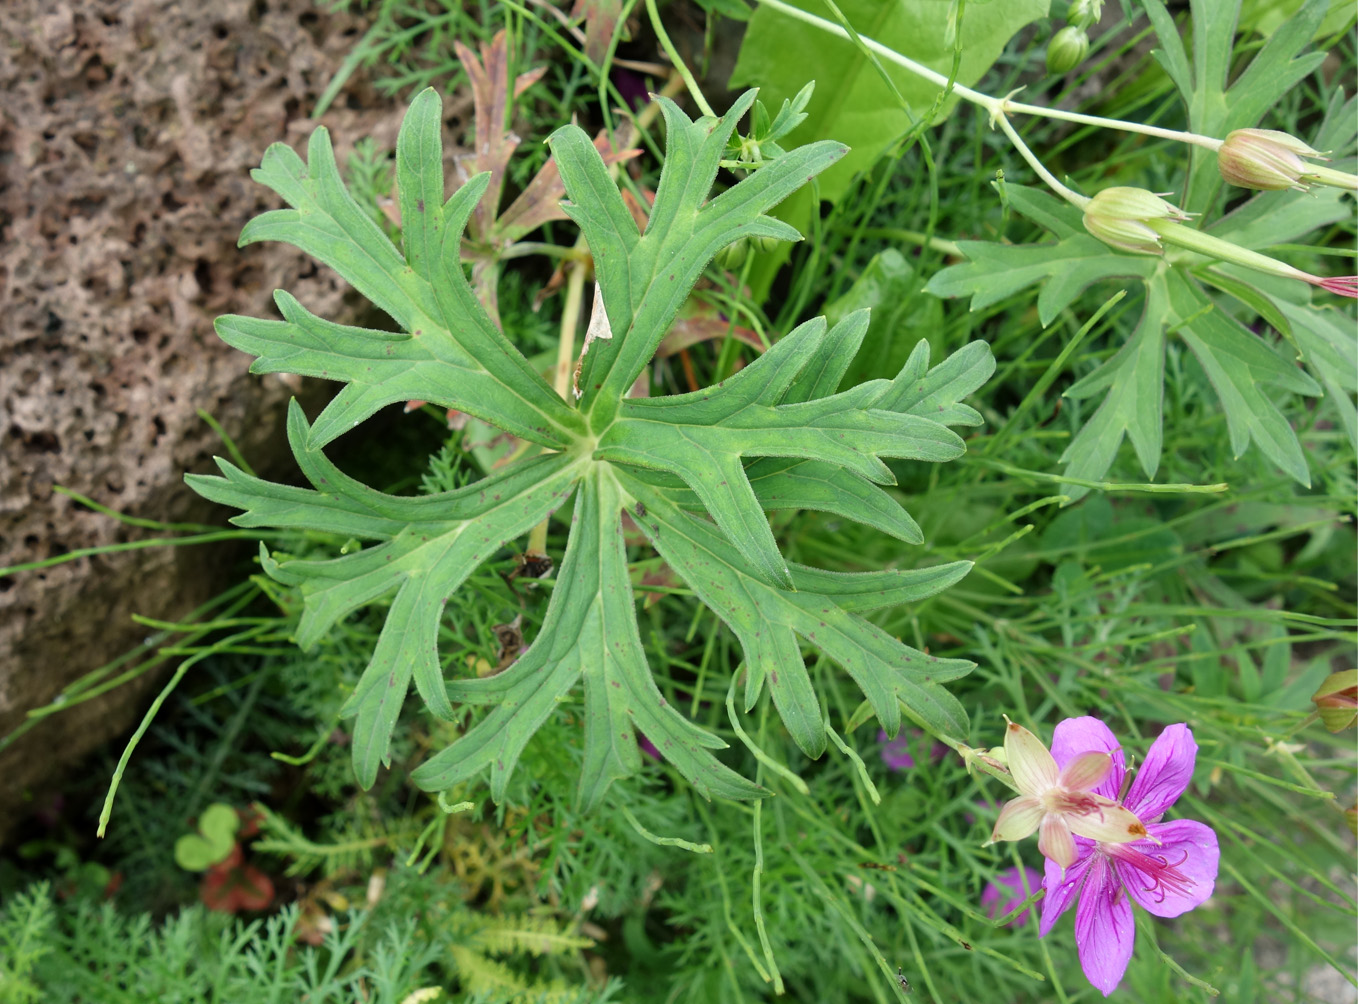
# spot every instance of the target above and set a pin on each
(697, 472)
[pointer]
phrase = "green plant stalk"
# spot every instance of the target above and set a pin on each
(680, 66)
(996, 106)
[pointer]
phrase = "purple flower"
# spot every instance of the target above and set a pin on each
(1007, 890)
(896, 752)
(647, 746)
(1168, 873)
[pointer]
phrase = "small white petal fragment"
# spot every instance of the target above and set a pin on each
(598, 328)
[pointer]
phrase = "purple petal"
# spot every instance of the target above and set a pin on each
(1075, 736)
(1061, 889)
(647, 747)
(1164, 774)
(1104, 931)
(1177, 875)
(896, 752)
(1006, 891)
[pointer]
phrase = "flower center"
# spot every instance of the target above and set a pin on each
(1064, 802)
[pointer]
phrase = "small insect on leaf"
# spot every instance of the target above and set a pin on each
(640, 511)
(904, 983)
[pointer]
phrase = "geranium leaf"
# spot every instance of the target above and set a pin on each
(646, 278)
(779, 434)
(449, 352)
(768, 621)
(590, 630)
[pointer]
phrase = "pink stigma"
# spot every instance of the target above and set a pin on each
(1344, 285)
(1158, 875)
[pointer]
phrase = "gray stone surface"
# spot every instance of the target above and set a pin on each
(127, 130)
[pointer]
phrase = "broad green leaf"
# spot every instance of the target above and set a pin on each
(934, 394)
(449, 352)
(214, 841)
(901, 310)
(1267, 16)
(994, 272)
(1245, 371)
(1331, 352)
(1134, 402)
(430, 545)
(852, 103)
(703, 436)
(1214, 109)
(1240, 365)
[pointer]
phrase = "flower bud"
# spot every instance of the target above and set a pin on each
(1337, 700)
(1264, 159)
(733, 255)
(765, 245)
(1083, 13)
(1118, 217)
(1067, 49)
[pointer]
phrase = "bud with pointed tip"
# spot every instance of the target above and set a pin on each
(1120, 217)
(1264, 159)
(733, 255)
(1067, 49)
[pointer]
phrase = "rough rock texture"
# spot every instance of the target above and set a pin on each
(127, 129)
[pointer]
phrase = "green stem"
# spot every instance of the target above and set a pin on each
(678, 61)
(998, 108)
(1329, 176)
(1203, 243)
(1196, 139)
(1074, 198)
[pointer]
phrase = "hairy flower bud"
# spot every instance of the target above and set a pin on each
(1119, 216)
(1264, 159)
(1067, 49)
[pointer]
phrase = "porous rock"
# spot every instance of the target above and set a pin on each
(127, 131)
